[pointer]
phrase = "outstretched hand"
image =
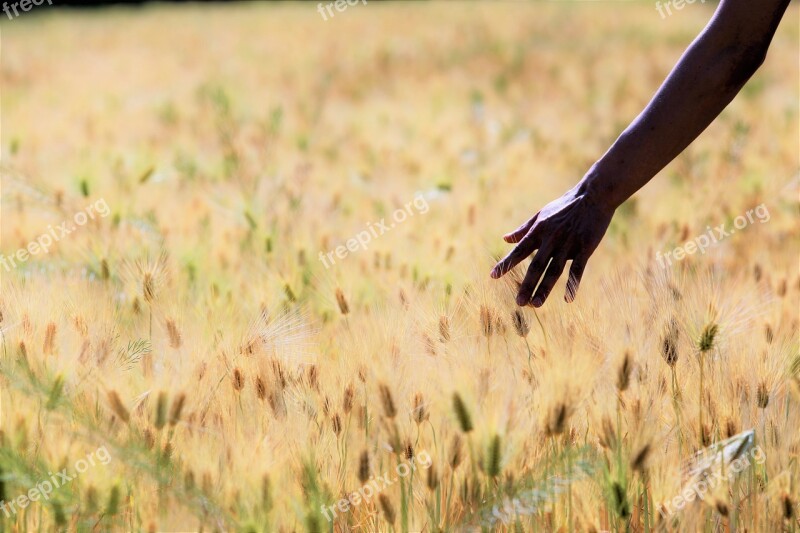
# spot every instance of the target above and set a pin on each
(569, 228)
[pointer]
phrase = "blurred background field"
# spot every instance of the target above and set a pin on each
(235, 142)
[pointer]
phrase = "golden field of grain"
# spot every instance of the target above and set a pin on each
(195, 339)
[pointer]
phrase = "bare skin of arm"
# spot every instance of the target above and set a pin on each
(708, 76)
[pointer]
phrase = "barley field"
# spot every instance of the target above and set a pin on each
(245, 275)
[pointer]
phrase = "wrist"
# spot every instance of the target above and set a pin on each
(600, 187)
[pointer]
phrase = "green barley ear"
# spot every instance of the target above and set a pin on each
(90, 500)
(464, 419)
(189, 481)
(287, 289)
(624, 372)
(55, 392)
(620, 500)
(161, 410)
(60, 517)
(706, 341)
(493, 459)
(313, 524)
(113, 501)
(105, 271)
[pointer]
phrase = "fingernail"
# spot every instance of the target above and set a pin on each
(495, 273)
(537, 302)
(521, 300)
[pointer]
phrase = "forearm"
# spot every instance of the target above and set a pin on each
(708, 76)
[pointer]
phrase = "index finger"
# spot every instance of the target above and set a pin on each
(526, 247)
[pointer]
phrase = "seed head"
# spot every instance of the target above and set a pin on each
(557, 420)
(347, 400)
(363, 467)
(620, 500)
(388, 510)
(494, 459)
(49, 338)
(706, 341)
(608, 436)
(731, 428)
(521, 325)
(148, 288)
(161, 410)
(462, 414)
(433, 478)
(344, 308)
(420, 412)
(487, 321)
(174, 334)
(788, 507)
(149, 439)
(624, 372)
(444, 328)
(118, 407)
(640, 459)
(177, 407)
(261, 388)
(762, 395)
(455, 457)
(408, 451)
(238, 380)
(782, 286)
(669, 349)
(721, 507)
(387, 400)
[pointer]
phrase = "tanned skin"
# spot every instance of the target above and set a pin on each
(707, 77)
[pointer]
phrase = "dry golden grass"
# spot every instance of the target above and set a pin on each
(238, 384)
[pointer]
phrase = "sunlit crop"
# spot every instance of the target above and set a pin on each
(190, 331)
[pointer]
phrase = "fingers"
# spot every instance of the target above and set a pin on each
(526, 246)
(575, 275)
(520, 232)
(535, 271)
(549, 280)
